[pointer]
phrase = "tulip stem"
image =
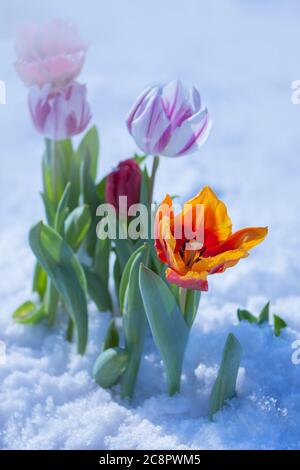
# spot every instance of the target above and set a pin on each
(152, 177)
(182, 299)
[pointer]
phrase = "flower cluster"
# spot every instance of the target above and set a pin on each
(157, 280)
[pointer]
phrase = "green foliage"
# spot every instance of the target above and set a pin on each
(279, 324)
(109, 367)
(262, 318)
(134, 318)
(28, 313)
(112, 337)
(169, 329)
(224, 386)
(61, 265)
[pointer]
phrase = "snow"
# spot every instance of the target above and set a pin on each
(242, 55)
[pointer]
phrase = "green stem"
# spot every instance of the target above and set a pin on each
(51, 302)
(182, 299)
(152, 178)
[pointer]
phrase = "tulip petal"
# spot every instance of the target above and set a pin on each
(218, 264)
(217, 223)
(49, 53)
(191, 280)
(190, 135)
(150, 125)
(137, 107)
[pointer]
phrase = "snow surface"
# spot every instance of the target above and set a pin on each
(243, 56)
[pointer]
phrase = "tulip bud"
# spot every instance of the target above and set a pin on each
(59, 113)
(125, 180)
(169, 120)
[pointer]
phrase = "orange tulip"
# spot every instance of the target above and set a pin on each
(219, 250)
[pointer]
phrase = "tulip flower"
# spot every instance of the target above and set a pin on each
(169, 120)
(52, 53)
(59, 113)
(125, 180)
(221, 248)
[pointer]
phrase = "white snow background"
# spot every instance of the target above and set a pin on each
(243, 56)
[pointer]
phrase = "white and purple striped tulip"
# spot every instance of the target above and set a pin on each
(169, 120)
(59, 113)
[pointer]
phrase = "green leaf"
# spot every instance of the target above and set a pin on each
(62, 211)
(134, 318)
(124, 284)
(91, 198)
(191, 305)
(140, 158)
(112, 337)
(101, 259)
(101, 189)
(89, 149)
(246, 315)
(279, 324)
(57, 168)
(66, 273)
(224, 386)
(123, 251)
(49, 209)
(28, 313)
(97, 290)
(77, 225)
(169, 330)
(117, 275)
(109, 366)
(39, 280)
(264, 315)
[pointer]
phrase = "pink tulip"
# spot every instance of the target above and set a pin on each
(169, 120)
(51, 53)
(61, 113)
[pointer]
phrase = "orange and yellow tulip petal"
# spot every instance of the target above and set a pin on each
(191, 280)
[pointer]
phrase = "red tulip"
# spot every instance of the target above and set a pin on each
(125, 180)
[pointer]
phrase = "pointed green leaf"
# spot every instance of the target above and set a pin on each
(140, 158)
(169, 330)
(134, 318)
(123, 251)
(62, 211)
(28, 313)
(66, 273)
(191, 306)
(279, 324)
(264, 315)
(91, 198)
(101, 189)
(98, 292)
(39, 280)
(89, 148)
(49, 209)
(124, 285)
(224, 386)
(77, 225)
(246, 315)
(112, 337)
(117, 275)
(109, 366)
(101, 259)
